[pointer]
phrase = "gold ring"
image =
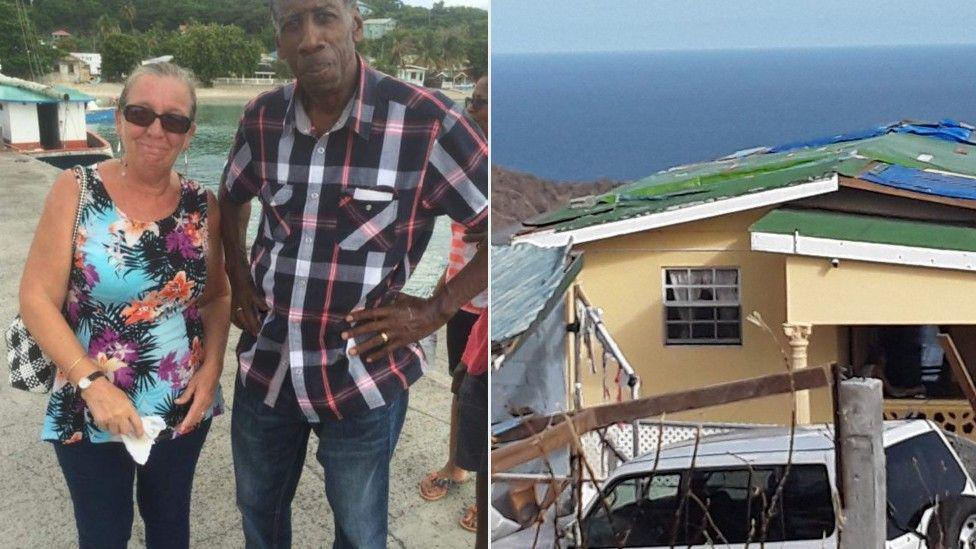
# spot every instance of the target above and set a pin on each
(386, 338)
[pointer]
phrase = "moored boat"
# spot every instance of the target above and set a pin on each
(99, 115)
(48, 123)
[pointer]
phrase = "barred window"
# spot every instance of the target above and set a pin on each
(701, 306)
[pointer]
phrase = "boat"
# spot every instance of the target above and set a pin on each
(48, 123)
(99, 115)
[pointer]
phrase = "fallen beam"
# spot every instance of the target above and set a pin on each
(560, 432)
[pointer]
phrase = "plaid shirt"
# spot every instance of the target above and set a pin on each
(345, 219)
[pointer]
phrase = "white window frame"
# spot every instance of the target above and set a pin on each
(715, 303)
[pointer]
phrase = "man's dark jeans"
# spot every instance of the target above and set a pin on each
(269, 447)
(100, 479)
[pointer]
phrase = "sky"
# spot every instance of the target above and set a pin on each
(483, 4)
(537, 26)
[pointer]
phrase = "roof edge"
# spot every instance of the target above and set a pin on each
(772, 197)
(912, 256)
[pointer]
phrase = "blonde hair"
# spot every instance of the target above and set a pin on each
(162, 70)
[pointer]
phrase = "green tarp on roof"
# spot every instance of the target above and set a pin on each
(752, 173)
(637, 201)
(865, 228)
(21, 95)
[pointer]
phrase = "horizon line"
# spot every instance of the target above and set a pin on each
(738, 48)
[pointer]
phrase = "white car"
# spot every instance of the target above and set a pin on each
(735, 477)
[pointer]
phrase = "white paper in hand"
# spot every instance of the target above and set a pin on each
(139, 447)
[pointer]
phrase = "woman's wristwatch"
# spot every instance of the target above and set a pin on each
(87, 381)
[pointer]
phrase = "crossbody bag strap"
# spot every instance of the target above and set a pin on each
(81, 174)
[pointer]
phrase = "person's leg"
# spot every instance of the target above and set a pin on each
(355, 453)
(458, 330)
(472, 452)
(268, 447)
(481, 501)
(100, 479)
(163, 487)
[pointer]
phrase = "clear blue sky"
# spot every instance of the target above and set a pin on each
(523, 26)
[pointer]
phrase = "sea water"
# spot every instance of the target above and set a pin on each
(216, 126)
(627, 115)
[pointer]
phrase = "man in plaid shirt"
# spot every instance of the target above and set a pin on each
(351, 168)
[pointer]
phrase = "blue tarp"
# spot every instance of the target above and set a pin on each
(921, 181)
(823, 141)
(947, 130)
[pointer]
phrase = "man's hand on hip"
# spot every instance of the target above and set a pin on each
(407, 320)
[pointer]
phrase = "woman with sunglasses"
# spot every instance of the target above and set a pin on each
(136, 319)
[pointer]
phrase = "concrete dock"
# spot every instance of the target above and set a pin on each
(34, 501)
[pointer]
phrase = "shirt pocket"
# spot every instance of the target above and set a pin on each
(367, 218)
(276, 199)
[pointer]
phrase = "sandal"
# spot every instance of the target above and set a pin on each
(470, 519)
(435, 487)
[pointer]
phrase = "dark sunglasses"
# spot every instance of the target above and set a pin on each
(475, 102)
(143, 117)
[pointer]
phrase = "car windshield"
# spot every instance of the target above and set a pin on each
(713, 506)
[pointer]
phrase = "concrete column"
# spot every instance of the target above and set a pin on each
(799, 335)
(863, 460)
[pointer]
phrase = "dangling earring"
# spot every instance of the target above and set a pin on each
(121, 155)
(186, 163)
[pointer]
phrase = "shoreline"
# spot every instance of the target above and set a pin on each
(218, 95)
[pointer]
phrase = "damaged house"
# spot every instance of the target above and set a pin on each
(858, 249)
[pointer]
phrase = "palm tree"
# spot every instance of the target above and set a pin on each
(452, 53)
(105, 26)
(429, 49)
(400, 46)
(128, 12)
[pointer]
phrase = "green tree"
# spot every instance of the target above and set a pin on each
(217, 50)
(282, 70)
(22, 54)
(105, 26)
(385, 8)
(128, 12)
(429, 49)
(120, 54)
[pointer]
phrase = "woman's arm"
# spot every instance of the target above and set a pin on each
(43, 287)
(215, 311)
(44, 282)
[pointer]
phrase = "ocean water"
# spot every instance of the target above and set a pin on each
(216, 126)
(628, 115)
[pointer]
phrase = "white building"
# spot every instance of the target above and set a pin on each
(376, 28)
(414, 74)
(94, 61)
(77, 68)
(35, 117)
(160, 59)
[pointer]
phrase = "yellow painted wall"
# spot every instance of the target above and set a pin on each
(859, 292)
(624, 277)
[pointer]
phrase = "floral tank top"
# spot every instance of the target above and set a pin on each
(132, 302)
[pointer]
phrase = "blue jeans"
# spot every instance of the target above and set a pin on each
(269, 451)
(100, 479)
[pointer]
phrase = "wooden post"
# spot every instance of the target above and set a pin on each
(799, 335)
(863, 477)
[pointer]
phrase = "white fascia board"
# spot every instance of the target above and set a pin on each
(864, 251)
(706, 210)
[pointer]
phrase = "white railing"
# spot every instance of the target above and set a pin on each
(228, 81)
